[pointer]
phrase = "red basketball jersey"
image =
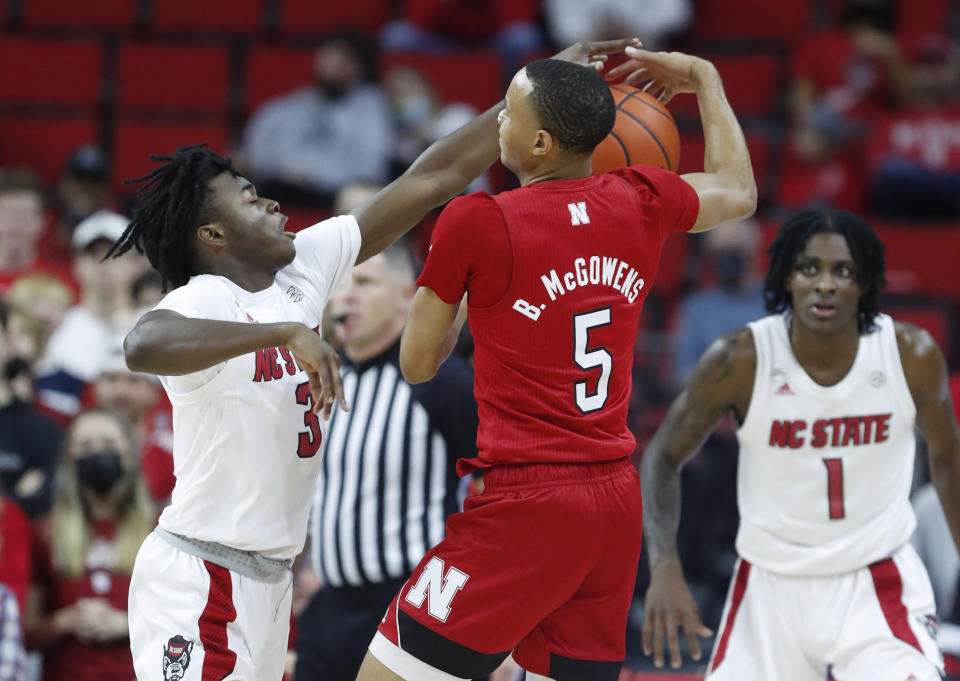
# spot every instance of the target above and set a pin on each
(574, 260)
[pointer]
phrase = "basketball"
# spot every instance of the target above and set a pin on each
(644, 133)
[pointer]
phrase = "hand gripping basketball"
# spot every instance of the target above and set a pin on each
(663, 74)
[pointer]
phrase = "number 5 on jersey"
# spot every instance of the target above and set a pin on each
(588, 359)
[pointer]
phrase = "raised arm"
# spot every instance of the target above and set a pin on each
(727, 188)
(168, 344)
(926, 372)
(448, 166)
(721, 381)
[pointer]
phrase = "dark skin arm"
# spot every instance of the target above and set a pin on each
(721, 383)
(446, 168)
(166, 343)
(926, 373)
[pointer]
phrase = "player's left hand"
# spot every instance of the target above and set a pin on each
(595, 53)
(322, 365)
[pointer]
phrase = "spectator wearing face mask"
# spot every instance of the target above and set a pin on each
(735, 299)
(77, 610)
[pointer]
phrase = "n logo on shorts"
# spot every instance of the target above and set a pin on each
(437, 588)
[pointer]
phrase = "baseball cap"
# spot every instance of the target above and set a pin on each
(101, 225)
(88, 162)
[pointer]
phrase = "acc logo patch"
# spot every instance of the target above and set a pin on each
(176, 658)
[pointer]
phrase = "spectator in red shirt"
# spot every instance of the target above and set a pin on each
(16, 546)
(914, 154)
(101, 513)
(853, 70)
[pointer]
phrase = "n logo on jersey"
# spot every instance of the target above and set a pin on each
(578, 213)
(438, 588)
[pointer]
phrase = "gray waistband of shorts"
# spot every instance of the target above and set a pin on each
(247, 563)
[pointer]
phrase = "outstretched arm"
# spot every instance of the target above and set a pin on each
(448, 166)
(169, 344)
(727, 188)
(722, 381)
(926, 372)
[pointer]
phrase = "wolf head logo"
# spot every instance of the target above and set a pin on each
(176, 658)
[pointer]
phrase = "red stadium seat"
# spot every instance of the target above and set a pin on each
(42, 144)
(50, 71)
(298, 17)
(758, 19)
(692, 149)
(921, 259)
(111, 14)
(939, 320)
(242, 16)
(751, 84)
(134, 141)
(471, 77)
(273, 71)
(172, 77)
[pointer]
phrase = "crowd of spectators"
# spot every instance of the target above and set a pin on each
(868, 121)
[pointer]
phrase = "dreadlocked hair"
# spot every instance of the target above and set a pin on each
(171, 203)
(865, 248)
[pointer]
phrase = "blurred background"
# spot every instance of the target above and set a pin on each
(853, 104)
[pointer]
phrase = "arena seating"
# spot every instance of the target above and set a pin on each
(135, 140)
(103, 14)
(751, 19)
(42, 143)
(471, 77)
(273, 71)
(298, 17)
(240, 16)
(159, 77)
(42, 71)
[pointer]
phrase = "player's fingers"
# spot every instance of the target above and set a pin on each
(658, 626)
(693, 643)
(638, 79)
(646, 634)
(651, 84)
(673, 641)
(610, 46)
(620, 70)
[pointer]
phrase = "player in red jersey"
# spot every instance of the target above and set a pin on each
(543, 562)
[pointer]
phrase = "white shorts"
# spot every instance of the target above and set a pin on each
(193, 620)
(873, 624)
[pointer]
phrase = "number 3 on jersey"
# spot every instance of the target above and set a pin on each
(308, 441)
(588, 359)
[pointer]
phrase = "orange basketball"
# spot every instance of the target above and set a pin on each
(644, 133)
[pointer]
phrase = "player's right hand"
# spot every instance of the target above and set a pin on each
(669, 605)
(662, 74)
(322, 364)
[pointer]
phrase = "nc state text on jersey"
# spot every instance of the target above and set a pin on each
(836, 432)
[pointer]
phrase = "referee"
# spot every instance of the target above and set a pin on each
(388, 480)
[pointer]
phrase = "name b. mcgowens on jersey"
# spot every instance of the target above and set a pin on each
(595, 271)
(843, 431)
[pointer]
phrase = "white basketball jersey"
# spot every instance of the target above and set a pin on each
(246, 444)
(825, 471)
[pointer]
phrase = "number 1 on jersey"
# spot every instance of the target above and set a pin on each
(591, 359)
(835, 488)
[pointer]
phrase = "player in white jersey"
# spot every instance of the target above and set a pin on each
(826, 393)
(247, 375)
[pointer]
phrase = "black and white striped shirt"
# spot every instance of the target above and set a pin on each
(388, 480)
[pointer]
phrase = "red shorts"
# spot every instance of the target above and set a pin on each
(542, 563)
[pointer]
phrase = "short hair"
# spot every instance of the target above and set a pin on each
(172, 202)
(400, 260)
(865, 248)
(572, 102)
